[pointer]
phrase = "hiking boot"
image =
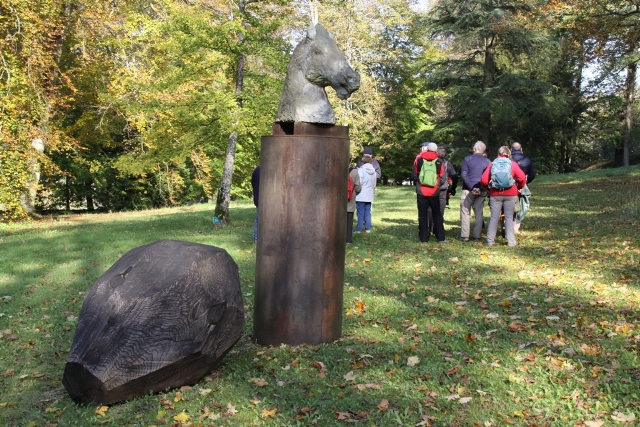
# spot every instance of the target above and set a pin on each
(464, 239)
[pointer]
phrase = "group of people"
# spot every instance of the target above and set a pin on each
(502, 180)
(480, 179)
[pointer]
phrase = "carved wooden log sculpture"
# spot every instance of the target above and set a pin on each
(161, 317)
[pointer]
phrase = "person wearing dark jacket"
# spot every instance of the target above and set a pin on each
(523, 161)
(427, 196)
(450, 179)
(472, 194)
(526, 165)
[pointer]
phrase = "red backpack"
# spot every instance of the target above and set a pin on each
(350, 188)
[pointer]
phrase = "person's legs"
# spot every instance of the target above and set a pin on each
(255, 228)
(466, 199)
(423, 218)
(495, 205)
(349, 226)
(367, 216)
(508, 205)
(438, 221)
(360, 210)
(443, 201)
(478, 206)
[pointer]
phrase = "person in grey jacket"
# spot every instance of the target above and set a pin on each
(473, 195)
(367, 175)
(351, 204)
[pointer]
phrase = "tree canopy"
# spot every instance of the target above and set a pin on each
(144, 104)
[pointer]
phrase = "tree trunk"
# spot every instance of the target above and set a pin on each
(629, 90)
(484, 122)
(224, 193)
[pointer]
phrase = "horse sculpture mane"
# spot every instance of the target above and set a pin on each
(316, 62)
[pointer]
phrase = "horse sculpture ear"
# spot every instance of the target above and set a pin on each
(311, 32)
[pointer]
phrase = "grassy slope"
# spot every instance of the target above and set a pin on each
(455, 334)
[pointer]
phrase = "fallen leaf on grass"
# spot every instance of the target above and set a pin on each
(596, 423)
(349, 376)
(204, 391)
(343, 416)
(413, 360)
(320, 366)
(179, 397)
(269, 413)
(619, 416)
(383, 405)
(259, 382)
(372, 386)
(101, 410)
(181, 418)
(465, 400)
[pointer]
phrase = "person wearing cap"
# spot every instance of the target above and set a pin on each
(428, 197)
(368, 152)
(473, 195)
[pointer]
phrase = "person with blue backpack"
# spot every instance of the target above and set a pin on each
(504, 179)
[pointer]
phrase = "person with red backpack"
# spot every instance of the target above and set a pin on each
(353, 189)
(428, 174)
(504, 179)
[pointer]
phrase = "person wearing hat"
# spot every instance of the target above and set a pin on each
(473, 195)
(368, 152)
(428, 196)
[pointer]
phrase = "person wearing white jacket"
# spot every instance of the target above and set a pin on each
(368, 178)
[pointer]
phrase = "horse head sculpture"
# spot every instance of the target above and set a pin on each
(316, 62)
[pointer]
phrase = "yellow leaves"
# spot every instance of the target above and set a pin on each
(358, 308)
(179, 397)
(182, 417)
(101, 410)
(269, 413)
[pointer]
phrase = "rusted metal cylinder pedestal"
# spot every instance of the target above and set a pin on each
(301, 234)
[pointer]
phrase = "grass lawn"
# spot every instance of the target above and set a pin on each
(546, 333)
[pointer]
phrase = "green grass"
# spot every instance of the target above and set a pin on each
(546, 332)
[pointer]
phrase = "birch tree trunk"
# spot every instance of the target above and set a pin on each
(224, 192)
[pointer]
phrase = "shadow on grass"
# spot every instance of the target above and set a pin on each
(527, 326)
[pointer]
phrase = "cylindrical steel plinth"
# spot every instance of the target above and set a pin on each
(301, 235)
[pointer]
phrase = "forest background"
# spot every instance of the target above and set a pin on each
(138, 104)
